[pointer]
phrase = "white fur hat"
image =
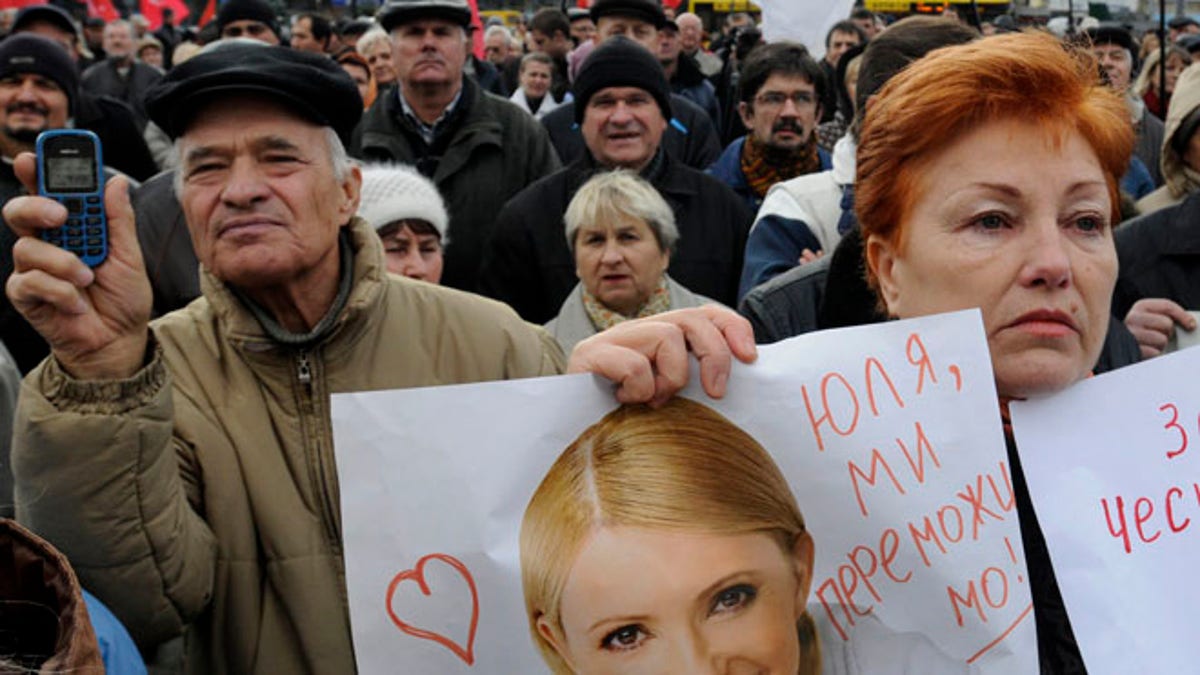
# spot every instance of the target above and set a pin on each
(392, 192)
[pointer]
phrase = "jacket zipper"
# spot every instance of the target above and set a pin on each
(325, 487)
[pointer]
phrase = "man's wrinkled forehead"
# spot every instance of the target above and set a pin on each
(213, 111)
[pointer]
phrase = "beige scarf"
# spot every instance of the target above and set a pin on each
(604, 318)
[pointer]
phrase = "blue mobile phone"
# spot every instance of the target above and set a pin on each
(70, 170)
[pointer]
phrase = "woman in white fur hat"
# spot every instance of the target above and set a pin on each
(406, 210)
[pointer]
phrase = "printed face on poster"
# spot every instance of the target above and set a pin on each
(1112, 466)
(848, 502)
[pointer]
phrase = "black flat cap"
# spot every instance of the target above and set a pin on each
(396, 12)
(313, 86)
(48, 13)
(649, 11)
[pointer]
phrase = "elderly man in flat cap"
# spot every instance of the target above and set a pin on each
(478, 149)
(185, 466)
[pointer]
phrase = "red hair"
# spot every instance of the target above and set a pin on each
(1026, 76)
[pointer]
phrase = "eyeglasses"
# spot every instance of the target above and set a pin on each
(776, 99)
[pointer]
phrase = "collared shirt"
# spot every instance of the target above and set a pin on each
(428, 131)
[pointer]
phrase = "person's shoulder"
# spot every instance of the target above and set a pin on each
(538, 192)
(684, 108)
(92, 70)
(507, 113)
(730, 158)
(807, 186)
(452, 311)
(709, 188)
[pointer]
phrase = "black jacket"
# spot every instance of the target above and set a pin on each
(492, 151)
(528, 264)
(103, 79)
(690, 136)
(1159, 254)
(166, 244)
(121, 140)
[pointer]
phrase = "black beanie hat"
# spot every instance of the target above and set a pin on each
(313, 86)
(247, 10)
(30, 53)
(621, 62)
(52, 15)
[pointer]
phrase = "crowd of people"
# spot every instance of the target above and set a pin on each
(300, 207)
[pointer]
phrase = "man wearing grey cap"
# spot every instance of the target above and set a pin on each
(478, 149)
(185, 466)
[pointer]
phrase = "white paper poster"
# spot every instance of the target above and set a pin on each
(803, 21)
(1113, 467)
(887, 438)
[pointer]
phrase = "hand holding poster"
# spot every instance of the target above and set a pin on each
(846, 508)
(1112, 466)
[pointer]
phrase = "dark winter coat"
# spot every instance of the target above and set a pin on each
(1159, 256)
(493, 151)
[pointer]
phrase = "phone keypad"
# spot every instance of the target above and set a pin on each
(84, 230)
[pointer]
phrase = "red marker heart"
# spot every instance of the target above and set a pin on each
(417, 574)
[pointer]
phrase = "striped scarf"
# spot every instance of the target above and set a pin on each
(763, 171)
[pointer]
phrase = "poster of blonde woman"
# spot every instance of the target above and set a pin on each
(846, 508)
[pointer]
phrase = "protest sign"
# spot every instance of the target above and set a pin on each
(887, 436)
(803, 22)
(1113, 467)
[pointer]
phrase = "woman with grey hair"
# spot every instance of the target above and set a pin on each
(621, 233)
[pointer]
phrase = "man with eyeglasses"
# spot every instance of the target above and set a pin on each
(478, 149)
(252, 19)
(622, 106)
(780, 93)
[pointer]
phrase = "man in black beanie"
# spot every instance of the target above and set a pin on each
(38, 88)
(622, 107)
(112, 120)
(691, 138)
(248, 18)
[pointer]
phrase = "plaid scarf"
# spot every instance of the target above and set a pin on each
(762, 170)
(604, 318)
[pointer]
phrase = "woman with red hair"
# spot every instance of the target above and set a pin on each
(988, 177)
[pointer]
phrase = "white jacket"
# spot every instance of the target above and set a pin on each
(815, 198)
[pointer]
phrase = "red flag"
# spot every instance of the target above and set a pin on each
(210, 11)
(103, 9)
(152, 10)
(477, 25)
(18, 4)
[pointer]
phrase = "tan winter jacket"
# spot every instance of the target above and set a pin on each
(202, 492)
(1178, 180)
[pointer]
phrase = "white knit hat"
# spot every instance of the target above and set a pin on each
(392, 192)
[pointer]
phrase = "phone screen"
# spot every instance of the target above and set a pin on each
(71, 174)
